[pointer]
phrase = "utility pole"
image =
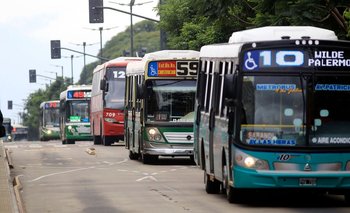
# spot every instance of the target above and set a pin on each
(71, 64)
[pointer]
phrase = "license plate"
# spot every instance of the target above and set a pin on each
(307, 181)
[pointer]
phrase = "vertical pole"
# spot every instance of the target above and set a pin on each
(62, 72)
(84, 45)
(71, 64)
(101, 28)
(162, 34)
(131, 30)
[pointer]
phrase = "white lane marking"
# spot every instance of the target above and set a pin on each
(35, 146)
(59, 173)
(147, 177)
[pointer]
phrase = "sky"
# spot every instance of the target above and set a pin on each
(28, 26)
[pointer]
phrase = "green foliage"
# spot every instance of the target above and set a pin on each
(191, 24)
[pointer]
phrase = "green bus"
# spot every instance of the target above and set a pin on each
(159, 100)
(49, 125)
(75, 114)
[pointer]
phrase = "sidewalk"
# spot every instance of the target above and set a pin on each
(7, 199)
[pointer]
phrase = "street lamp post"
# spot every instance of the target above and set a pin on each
(100, 29)
(71, 64)
(131, 4)
(59, 66)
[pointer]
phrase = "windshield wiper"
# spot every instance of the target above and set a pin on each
(301, 78)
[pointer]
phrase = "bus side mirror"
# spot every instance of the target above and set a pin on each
(103, 85)
(140, 91)
(230, 91)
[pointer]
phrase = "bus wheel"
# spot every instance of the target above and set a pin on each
(347, 199)
(107, 141)
(133, 156)
(211, 187)
(231, 193)
(64, 141)
(97, 140)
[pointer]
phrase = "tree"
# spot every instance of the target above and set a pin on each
(191, 24)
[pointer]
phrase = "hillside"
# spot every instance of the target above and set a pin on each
(146, 35)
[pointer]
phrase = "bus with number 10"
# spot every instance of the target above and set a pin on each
(75, 114)
(107, 101)
(159, 100)
(272, 112)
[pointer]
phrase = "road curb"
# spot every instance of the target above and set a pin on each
(17, 186)
(8, 157)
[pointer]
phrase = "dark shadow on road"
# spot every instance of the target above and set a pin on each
(291, 199)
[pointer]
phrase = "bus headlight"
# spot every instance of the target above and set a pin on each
(153, 134)
(9, 137)
(347, 166)
(49, 131)
(250, 162)
(69, 127)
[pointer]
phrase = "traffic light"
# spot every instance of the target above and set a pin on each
(55, 49)
(9, 104)
(32, 76)
(96, 11)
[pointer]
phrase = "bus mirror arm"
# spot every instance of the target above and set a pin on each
(140, 91)
(230, 86)
(229, 102)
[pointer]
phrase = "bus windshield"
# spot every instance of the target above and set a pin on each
(170, 100)
(78, 111)
(51, 117)
(114, 97)
(275, 110)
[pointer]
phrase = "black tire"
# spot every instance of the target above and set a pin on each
(133, 156)
(97, 140)
(347, 199)
(233, 195)
(211, 187)
(107, 141)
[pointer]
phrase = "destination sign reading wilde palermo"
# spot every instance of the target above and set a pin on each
(78, 94)
(172, 68)
(317, 59)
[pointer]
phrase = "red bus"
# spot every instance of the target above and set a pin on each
(107, 101)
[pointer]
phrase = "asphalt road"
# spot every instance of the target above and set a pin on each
(71, 178)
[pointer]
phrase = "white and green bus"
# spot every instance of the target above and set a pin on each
(75, 114)
(273, 112)
(49, 125)
(159, 101)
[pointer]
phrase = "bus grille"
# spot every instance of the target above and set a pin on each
(179, 137)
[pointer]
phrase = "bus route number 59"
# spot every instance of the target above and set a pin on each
(184, 68)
